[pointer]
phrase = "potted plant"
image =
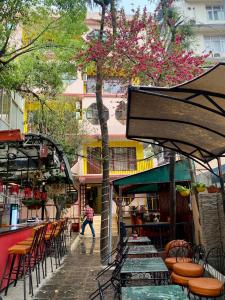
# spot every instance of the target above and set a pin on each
(213, 189)
(32, 203)
(199, 187)
(183, 191)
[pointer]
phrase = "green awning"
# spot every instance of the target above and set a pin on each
(148, 181)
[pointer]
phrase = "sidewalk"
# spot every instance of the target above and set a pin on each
(75, 278)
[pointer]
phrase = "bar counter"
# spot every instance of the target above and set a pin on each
(9, 236)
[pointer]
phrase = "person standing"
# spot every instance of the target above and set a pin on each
(89, 214)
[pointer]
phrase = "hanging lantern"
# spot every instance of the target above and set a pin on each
(14, 189)
(37, 194)
(44, 196)
(43, 151)
(1, 186)
(27, 192)
(62, 167)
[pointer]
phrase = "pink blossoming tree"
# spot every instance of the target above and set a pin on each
(135, 47)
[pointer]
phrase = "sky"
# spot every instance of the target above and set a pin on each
(130, 4)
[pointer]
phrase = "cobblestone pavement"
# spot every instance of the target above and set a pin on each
(75, 279)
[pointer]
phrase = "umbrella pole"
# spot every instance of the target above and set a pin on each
(172, 196)
(221, 181)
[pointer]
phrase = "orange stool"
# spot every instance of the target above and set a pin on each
(171, 261)
(188, 269)
(24, 254)
(180, 280)
(206, 287)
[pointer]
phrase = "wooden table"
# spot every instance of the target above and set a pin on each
(140, 240)
(142, 251)
(162, 292)
(152, 268)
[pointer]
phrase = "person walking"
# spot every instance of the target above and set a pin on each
(89, 214)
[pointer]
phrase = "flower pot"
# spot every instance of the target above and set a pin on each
(213, 189)
(32, 203)
(200, 189)
(185, 193)
(75, 227)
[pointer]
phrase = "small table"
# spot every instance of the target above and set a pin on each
(165, 292)
(142, 251)
(152, 268)
(140, 240)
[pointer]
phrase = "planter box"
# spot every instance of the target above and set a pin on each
(213, 189)
(75, 227)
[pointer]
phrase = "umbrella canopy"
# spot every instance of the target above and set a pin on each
(188, 118)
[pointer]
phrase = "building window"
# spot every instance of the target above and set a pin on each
(92, 114)
(94, 35)
(121, 112)
(110, 86)
(94, 160)
(215, 12)
(123, 159)
(91, 84)
(5, 104)
(113, 86)
(216, 44)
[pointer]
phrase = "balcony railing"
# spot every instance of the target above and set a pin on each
(120, 167)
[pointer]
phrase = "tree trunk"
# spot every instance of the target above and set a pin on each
(172, 196)
(105, 149)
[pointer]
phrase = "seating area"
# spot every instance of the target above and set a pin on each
(29, 256)
(183, 271)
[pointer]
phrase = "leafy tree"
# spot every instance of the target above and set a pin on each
(37, 43)
(58, 120)
(138, 48)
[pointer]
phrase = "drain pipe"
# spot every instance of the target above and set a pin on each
(110, 221)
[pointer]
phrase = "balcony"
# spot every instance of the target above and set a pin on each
(126, 167)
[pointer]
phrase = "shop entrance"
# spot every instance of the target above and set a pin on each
(93, 197)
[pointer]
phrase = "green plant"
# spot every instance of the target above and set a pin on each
(183, 191)
(199, 187)
(198, 184)
(181, 188)
(32, 203)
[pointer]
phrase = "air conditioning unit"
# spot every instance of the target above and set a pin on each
(77, 104)
(84, 76)
(192, 21)
(78, 115)
(216, 55)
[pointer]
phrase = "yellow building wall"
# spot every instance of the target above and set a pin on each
(142, 164)
(59, 106)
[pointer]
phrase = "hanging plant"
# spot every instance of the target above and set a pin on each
(32, 203)
(183, 191)
(213, 189)
(199, 187)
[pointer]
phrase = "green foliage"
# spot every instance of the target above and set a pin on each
(181, 188)
(198, 185)
(38, 40)
(58, 120)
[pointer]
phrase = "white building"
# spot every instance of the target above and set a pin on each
(11, 110)
(208, 20)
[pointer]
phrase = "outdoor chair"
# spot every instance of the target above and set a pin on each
(179, 251)
(113, 281)
(119, 248)
(37, 258)
(24, 254)
(183, 272)
(208, 287)
(121, 255)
